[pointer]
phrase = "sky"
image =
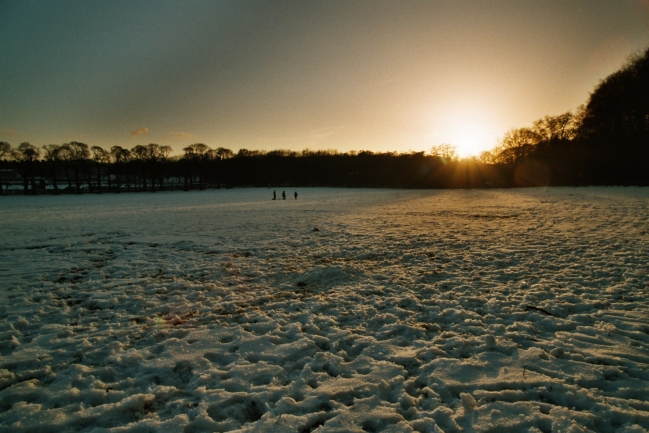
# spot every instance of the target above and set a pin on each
(376, 75)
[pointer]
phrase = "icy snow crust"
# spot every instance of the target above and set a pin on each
(518, 310)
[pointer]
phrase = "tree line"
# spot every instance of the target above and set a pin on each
(603, 142)
(76, 167)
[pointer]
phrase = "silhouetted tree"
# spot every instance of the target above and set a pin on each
(121, 157)
(619, 106)
(223, 155)
(109, 164)
(445, 152)
(53, 157)
(614, 132)
(187, 162)
(202, 154)
(27, 155)
(140, 155)
(5, 152)
(66, 159)
(152, 156)
(556, 128)
(163, 153)
(487, 157)
(196, 156)
(78, 154)
(516, 145)
(101, 158)
(215, 161)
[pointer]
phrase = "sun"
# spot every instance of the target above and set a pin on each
(469, 141)
(470, 138)
(471, 127)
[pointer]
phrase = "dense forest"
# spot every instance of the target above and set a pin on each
(604, 142)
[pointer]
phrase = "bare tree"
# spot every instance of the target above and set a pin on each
(555, 128)
(121, 157)
(445, 152)
(516, 145)
(66, 158)
(188, 161)
(27, 154)
(195, 158)
(215, 163)
(200, 154)
(77, 153)
(5, 149)
(487, 157)
(163, 159)
(109, 164)
(53, 157)
(100, 157)
(140, 154)
(152, 159)
(5, 152)
(223, 153)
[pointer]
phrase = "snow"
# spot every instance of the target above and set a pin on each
(345, 310)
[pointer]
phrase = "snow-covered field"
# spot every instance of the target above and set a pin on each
(345, 310)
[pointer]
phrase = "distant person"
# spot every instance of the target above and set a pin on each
(283, 195)
(295, 195)
(274, 195)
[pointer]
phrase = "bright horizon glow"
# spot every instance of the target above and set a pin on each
(469, 126)
(470, 140)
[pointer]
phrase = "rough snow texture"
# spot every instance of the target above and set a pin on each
(344, 310)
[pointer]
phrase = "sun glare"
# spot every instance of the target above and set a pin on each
(469, 141)
(469, 126)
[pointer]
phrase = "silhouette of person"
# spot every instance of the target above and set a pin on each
(283, 195)
(295, 195)
(274, 195)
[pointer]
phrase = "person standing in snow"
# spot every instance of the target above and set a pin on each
(283, 195)
(295, 195)
(274, 195)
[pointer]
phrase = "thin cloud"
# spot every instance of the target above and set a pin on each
(140, 131)
(324, 133)
(181, 135)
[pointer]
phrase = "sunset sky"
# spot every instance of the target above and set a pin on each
(376, 75)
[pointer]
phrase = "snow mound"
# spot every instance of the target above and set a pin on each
(325, 276)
